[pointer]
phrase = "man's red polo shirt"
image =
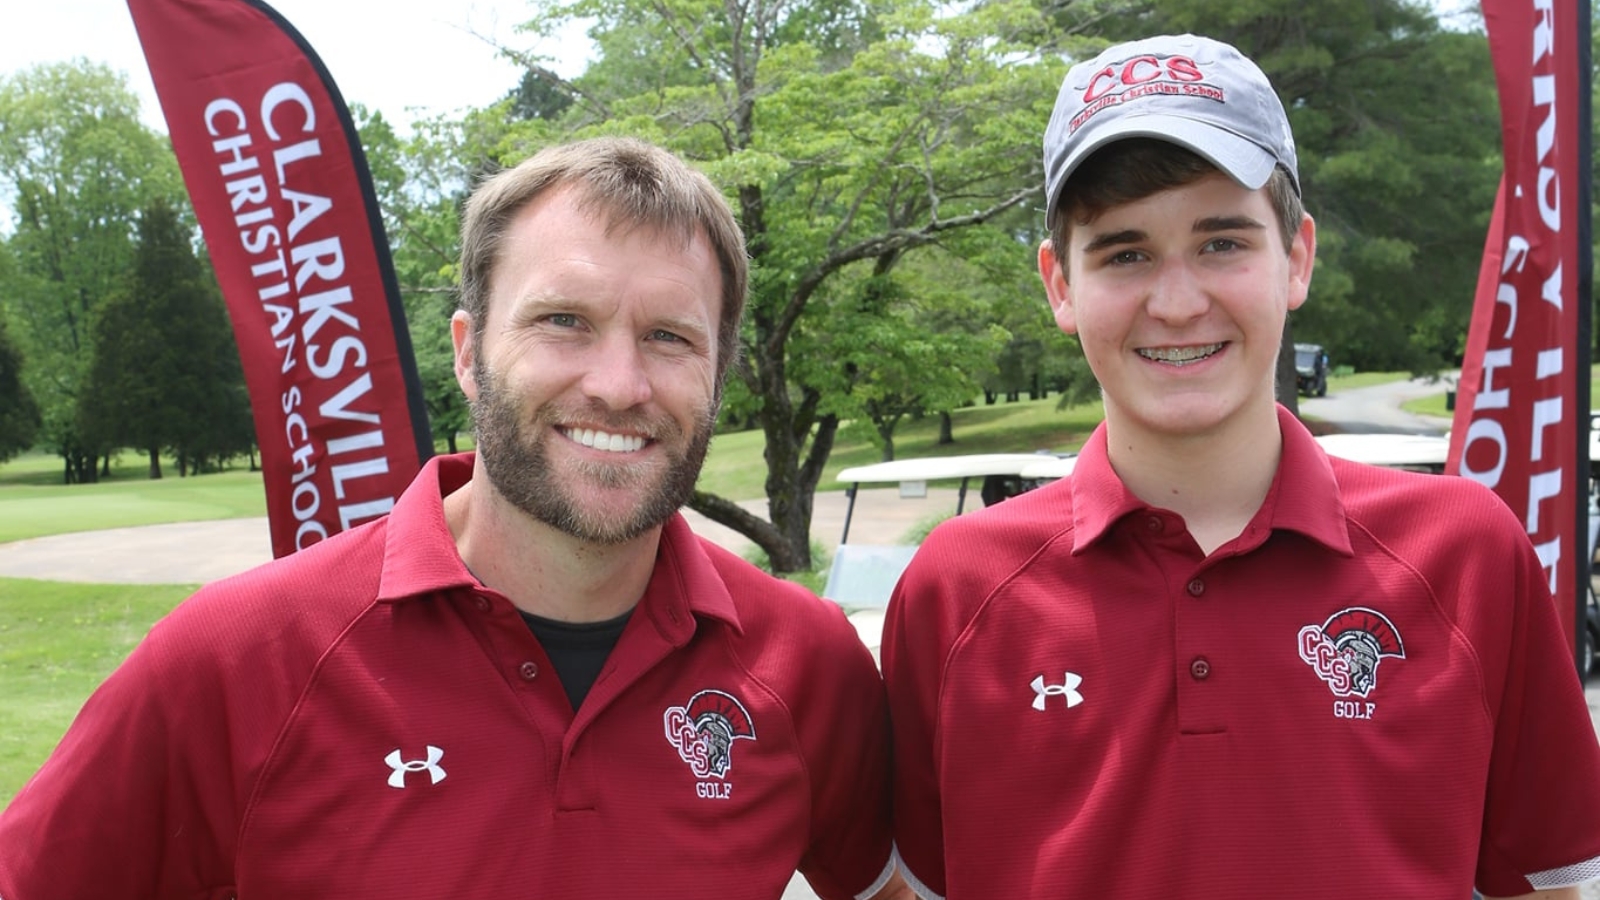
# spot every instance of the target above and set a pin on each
(363, 719)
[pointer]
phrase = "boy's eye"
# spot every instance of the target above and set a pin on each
(1221, 245)
(1126, 257)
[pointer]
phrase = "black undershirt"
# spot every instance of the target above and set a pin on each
(578, 650)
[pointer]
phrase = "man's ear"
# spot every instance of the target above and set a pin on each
(1056, 288)
(1302, 259)
(461, 340)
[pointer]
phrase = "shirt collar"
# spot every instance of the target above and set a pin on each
(1304, 496)
(420, 555)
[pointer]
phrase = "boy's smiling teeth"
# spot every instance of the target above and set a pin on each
(602, 440)
(1179, 356)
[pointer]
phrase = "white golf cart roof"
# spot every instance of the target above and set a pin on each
(941, 468)
(862, 575)
(1406, 451)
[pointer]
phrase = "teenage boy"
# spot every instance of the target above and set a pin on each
(530, 679)
(1215, 662)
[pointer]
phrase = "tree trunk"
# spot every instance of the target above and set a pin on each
(946, 429)
(1288, 389)
(155, 463)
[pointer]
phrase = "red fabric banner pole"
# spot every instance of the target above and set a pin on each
(1522, 408)
(280, 185)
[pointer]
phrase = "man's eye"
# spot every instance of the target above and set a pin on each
(562, 320)
(1221, 245)
(665, 336)
(1125, 257)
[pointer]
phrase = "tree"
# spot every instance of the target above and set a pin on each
(421, 182)
(19, 414)
(851, 137)
(165, 374)
(76, 165)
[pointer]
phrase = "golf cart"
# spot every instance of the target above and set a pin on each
(1311, 369)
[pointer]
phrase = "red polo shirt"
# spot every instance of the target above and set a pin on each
(1366, 692)
(364, 719)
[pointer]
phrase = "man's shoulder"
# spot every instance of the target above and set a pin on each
(317, 589)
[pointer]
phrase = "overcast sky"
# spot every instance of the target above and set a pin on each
(391, 55)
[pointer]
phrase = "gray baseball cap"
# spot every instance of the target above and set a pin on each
(1193, 91)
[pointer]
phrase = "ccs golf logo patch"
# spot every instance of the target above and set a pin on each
(1345, 652)
(703, 731)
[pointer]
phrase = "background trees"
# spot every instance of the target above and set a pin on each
(164, 373)
(883, 158)
(119, 319)
(19, 414)
(77, 166)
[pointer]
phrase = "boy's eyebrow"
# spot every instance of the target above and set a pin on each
(1113, 239)
(1227, 223)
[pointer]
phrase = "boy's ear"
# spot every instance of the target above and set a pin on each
(1056, 288)
(1302, 259)
(461, 341)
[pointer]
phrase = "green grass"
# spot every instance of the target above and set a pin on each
(34, 502)
(1438, 404)
(57, 642)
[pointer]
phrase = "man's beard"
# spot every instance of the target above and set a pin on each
(515, 455)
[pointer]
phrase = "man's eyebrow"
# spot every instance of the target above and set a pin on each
(1114, 239)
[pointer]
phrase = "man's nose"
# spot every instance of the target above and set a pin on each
(617, 373)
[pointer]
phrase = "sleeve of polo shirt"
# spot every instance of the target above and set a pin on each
(913, 650)
(850, 852)
(122, 808)
(1542, 812)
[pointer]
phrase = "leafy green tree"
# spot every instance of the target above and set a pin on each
(850, 138)
(900, 345)
(165, 373)
(19, 414)
(76, 165)
(421, 181)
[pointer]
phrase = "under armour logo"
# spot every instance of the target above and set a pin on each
(397, 778)
(1068, 689)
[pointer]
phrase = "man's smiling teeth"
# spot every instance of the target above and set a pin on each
(1179, 356)
(600, 440)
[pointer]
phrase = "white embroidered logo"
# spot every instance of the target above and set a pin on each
(1068, 689)
(397, 778)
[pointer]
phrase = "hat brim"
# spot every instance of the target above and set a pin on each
(1240, 158)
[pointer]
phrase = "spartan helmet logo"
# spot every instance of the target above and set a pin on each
(704, 729)
(1347, 648)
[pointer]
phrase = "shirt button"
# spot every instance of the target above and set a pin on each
(1196, 587)
(528, 670)
(1153, 524)
(1200, 668)
(482, 603)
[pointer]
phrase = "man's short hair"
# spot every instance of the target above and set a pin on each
(628, 183)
